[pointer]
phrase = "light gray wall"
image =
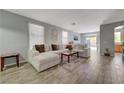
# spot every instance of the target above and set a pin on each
(98, 42)
(71, 37)
(14, 35)
(107, 36)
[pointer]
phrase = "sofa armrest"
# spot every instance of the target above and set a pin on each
(84, 52)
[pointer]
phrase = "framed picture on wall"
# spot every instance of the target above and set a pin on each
(76, 38)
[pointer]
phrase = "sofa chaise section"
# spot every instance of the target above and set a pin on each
(44, 61)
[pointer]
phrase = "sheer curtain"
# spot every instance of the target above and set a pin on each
(64, 37)
(36, 34)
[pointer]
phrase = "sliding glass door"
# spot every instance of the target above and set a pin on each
(117, 37)
(93, 41)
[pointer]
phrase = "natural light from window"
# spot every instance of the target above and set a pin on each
(117, 37)
(36, 34)
(64, 37)
(93, 41)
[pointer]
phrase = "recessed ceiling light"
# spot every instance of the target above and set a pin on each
(73, 23)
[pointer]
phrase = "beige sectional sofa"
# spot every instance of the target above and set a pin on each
(49, 58)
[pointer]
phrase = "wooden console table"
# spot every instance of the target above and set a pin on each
(2, 57)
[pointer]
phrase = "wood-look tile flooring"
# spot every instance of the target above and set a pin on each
(95, 70)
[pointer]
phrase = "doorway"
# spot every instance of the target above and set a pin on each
(118, 47)
(93, 42)
(118, 38)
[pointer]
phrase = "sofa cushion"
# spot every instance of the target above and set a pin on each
(59, 51)
(40, 48)
(46, 57)
(54, 47)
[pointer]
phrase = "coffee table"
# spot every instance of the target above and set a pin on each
(69, 54)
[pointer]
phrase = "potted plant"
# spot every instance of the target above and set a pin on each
(122, 44)
(107, 53)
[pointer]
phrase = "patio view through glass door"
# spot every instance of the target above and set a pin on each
(93, 42)
(118, 47)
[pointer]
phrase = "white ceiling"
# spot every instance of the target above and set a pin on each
(87, 20)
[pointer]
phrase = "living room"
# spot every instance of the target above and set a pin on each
(66, 46)
(59, 46)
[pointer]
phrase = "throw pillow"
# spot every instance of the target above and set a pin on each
(54, 47)
(40, 48)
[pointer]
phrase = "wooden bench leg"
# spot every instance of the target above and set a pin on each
(17, 60)
(2, 64)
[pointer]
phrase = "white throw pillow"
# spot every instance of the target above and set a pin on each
(47, 48)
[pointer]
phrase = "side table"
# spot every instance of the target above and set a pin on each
(2, 57)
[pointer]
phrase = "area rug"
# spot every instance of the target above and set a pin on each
(74, 62)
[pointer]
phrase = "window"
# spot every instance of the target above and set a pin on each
(64, 37)
(92, 40)
(36, 34)
(117, 37)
